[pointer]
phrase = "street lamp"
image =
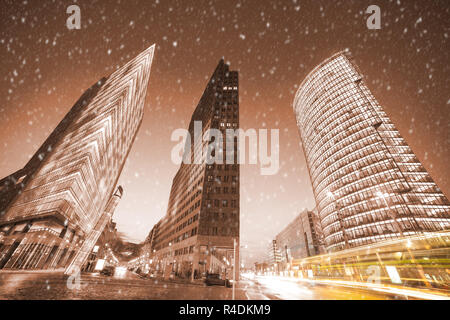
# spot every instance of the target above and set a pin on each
(408, 244)
(234, 265)
(170, 255)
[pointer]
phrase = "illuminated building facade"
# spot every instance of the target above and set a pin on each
(368, 183)
(92, 239)
(300, 238)
(103, 251)
(274, 256)
(50, 208)
(202, 218)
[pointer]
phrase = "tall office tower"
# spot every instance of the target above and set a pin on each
(368, 183)
(202, 220)
(51, 206)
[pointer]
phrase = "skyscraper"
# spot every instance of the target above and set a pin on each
(50, 207)
(368, 183)
(196, 234)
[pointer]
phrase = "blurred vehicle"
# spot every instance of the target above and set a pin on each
(213, 279)
(149, 275)
(107, 271)
(143, 275)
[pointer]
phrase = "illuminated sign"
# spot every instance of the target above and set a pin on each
(120, 271)
(393, 274)
(99, 265)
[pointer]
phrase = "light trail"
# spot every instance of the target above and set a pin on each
(389, 289)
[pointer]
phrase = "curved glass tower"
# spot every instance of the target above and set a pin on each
(368, 183)
(51, 206)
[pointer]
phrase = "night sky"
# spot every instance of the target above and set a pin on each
(45, 67)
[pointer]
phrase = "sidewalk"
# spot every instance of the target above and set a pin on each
(22, 271)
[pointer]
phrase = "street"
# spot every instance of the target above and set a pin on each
(36, 285)
(262, 288)
(48, 285)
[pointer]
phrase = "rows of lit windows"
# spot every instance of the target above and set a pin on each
(163, 243)
(330, 111)
(366, 197)
(350, 164)
(223, 231)
(326, 153)
(359, 185)
(347, 129)
(342, 89)
(352, 157)
(369, 152)
(186, 223)
(184, 251)
(170, 229)
(184, 192)
(352, 172)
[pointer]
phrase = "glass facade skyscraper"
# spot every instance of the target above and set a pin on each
(368, 183)
(202, 219)
(51, 206)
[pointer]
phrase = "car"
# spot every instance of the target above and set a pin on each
(143, 275)
(214, 279)
(107, 271)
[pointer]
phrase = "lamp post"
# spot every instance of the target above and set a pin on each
(170, 256)
(234, 265)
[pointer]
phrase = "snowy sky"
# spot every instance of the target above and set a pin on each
(45, 67)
